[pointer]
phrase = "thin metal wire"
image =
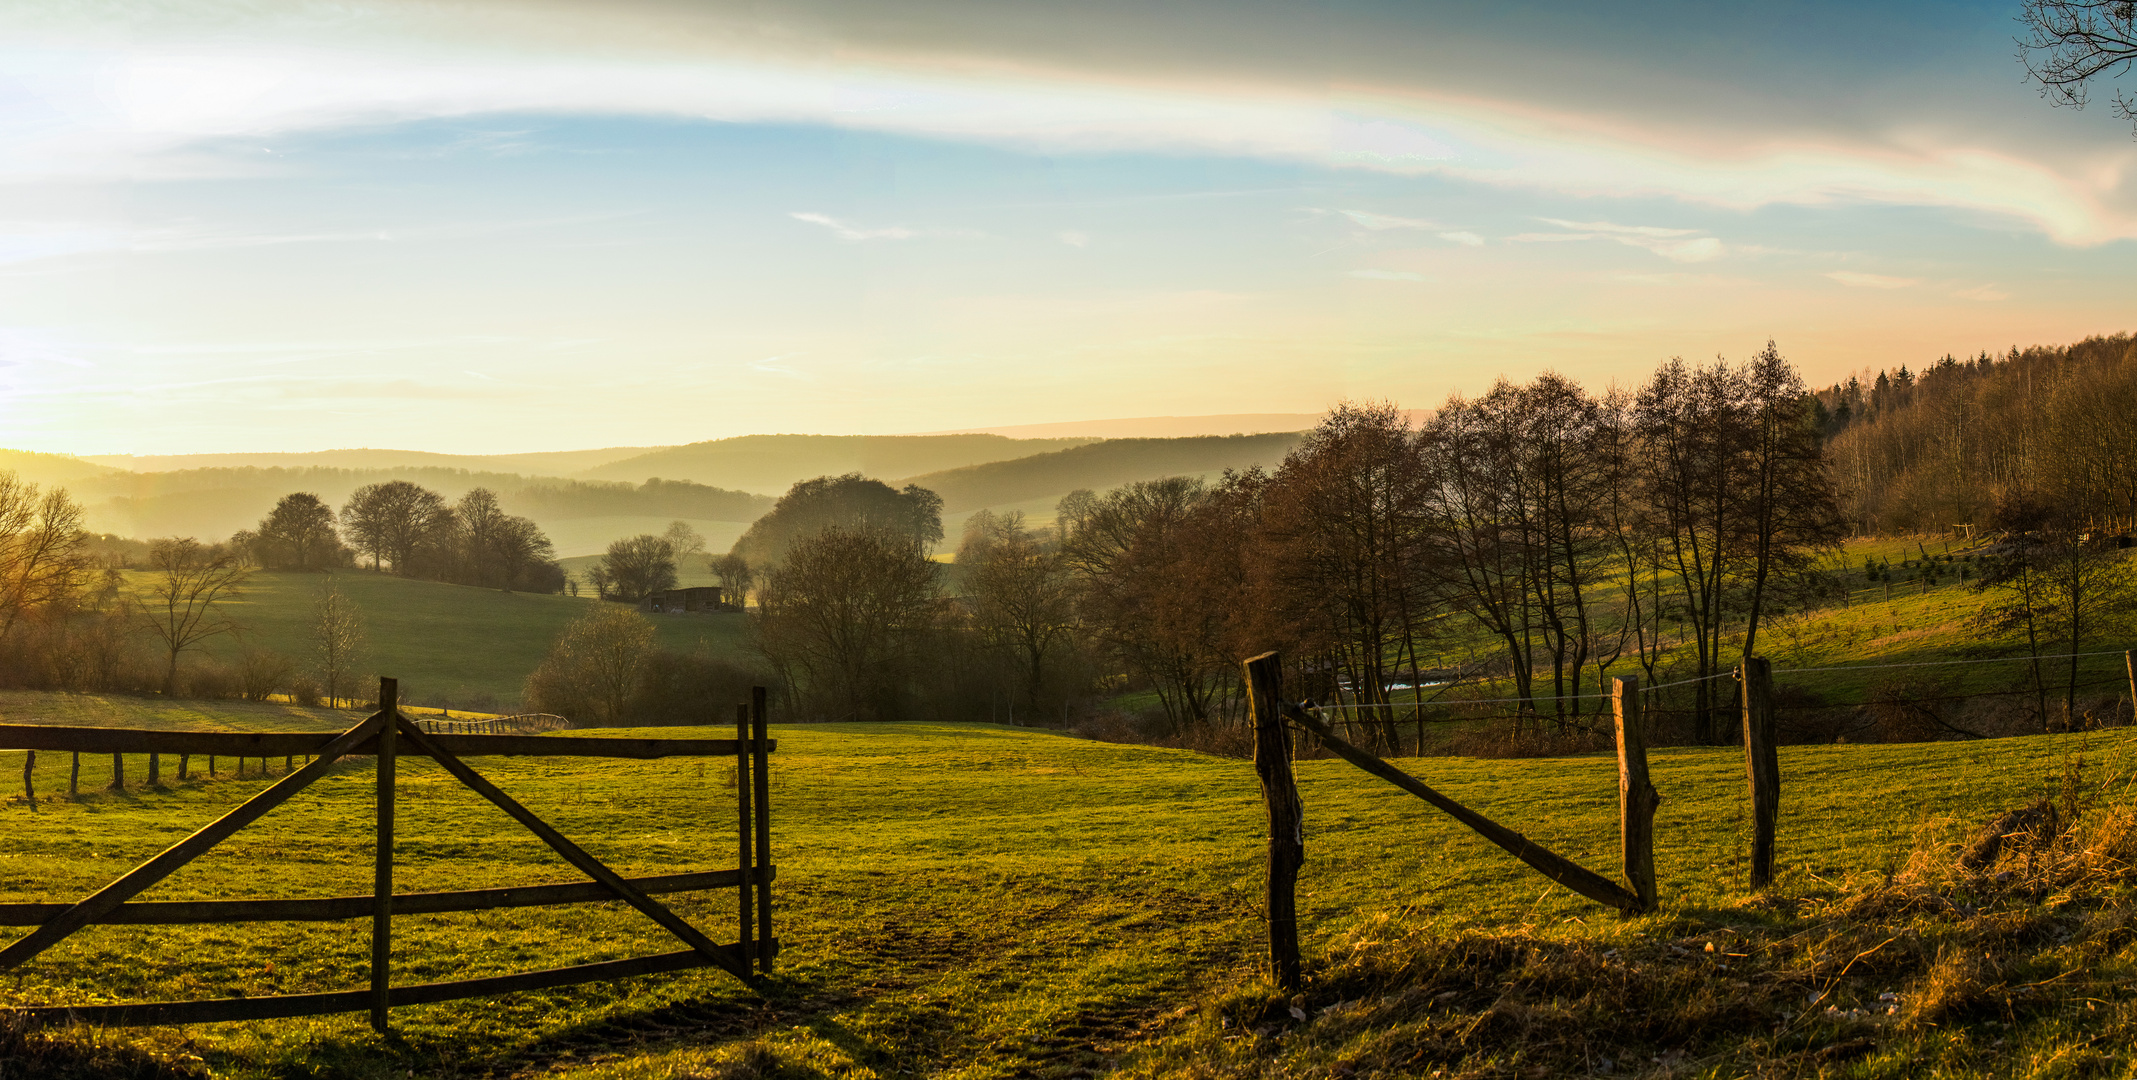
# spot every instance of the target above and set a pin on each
(1949, 663)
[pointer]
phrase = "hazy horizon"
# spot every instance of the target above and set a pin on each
(518, 226)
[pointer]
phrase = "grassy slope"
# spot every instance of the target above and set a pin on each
(956, 901)
(453, 640)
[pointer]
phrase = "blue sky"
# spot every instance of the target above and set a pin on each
(493, 227)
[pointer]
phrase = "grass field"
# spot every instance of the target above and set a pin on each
(973, 901)
(442, 641)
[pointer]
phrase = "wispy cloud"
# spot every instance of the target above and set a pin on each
(1857, 280)
(846, 230)
(1676, 245)
(1387, 222)
(1985, 293)
(1382, 222)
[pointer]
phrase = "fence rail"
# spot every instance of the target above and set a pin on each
(388, 735)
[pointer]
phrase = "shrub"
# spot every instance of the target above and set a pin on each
(306, 691)
(688, 688)
(262, 673)
(210, 680)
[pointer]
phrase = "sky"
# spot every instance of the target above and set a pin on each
(511, 226)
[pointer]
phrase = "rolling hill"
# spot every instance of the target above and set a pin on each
(772, 463)
(1098, 466)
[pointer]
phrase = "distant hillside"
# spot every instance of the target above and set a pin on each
(1151, 427)
(553, 463)
(62, 469)
(772, 463)
(1099, 466)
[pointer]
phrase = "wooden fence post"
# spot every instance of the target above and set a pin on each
(1762, 764)
(1636, 796)
(74, 777)
(118, 772)
(29, 786)
(185, 766)
(389, 693)
(1280, 794)
(760, 725)
(744, 827)
(155, 768)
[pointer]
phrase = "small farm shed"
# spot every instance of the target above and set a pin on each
(694, 600)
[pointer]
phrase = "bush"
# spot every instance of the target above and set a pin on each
(688, 688)
(209, 680)
(306, 691)
(263, 673)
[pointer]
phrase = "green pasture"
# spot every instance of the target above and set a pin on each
(954, 900)
(441, 641)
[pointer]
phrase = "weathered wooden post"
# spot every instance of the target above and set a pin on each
(74, 777)
(744, 827)
(760, 725)
(389, 694)
(155, 768)
(118, 772)
(1637, 798)
(29, 786)
(1280, 794)
(1762, 764)
(185, 766)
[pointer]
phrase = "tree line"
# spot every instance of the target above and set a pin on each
(1945, 447)
(1577, 532)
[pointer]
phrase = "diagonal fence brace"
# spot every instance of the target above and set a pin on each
(572, 853)
(106, 900)
(1557, 867)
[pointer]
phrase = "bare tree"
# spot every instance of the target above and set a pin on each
(182, 609)
(594, 666)
(2069, 43)
(297, 534)
(635, 568)
(43, 550)
(393, 520)
(842, 616)
(735, 578)
(337, 639)
(1022, 598)
(686, 542)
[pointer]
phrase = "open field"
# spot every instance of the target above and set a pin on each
(441, 641)
(975, 901)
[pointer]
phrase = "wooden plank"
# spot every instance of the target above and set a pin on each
(1762, 766)
(760, 737)
(575, 855)
(105, 900)
(1280, 795)
(344, 1001)
(244, 744)
(389, 705)
(341, 908)
(1637, 798)
(1550, 864)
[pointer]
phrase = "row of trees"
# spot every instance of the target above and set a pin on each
(1570, 528)
(415, 531)
(1943, 448)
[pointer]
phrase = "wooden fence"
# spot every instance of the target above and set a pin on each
(1637, 801)
(516, 724)
(387, 735)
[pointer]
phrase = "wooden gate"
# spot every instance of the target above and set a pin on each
(388, 735)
